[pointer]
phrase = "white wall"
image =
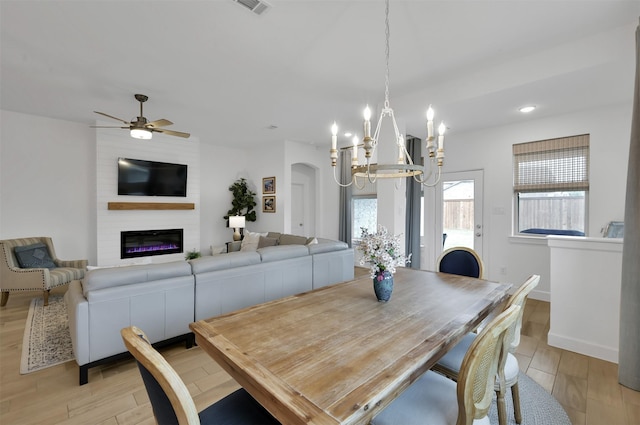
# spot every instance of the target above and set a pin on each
(219, 168)
(47, 183)
(490, 149)
(114, 144)
(327, 191)
(586, 277)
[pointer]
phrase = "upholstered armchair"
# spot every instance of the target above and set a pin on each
(30, 264)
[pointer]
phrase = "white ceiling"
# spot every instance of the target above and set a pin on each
(226, 75)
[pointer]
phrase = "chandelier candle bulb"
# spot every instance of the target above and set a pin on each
(334, 144)
(441, 130)
(354, 156)
(334, 136)
(367, 122)
(430, 115)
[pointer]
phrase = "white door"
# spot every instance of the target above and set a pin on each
(459, 211)
(297, 209)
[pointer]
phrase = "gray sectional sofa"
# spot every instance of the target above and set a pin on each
(164, 298)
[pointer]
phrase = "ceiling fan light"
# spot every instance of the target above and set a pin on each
(141, 133)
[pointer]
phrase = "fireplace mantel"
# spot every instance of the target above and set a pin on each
(150, 206)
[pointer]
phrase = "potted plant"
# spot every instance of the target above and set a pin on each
(243, 200)
(382, 251)
(193, 254)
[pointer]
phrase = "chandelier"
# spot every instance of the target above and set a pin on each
(401, 167)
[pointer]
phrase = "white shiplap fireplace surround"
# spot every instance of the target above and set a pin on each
(113, 144)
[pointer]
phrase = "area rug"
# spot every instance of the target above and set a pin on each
(46, 341)
(538, 407)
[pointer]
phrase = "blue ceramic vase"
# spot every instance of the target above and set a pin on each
(383, 285)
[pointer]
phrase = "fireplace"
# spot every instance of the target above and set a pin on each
(145, 243)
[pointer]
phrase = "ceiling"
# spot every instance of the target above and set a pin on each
(231, 77)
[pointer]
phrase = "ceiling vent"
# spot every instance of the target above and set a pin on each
(256, 6)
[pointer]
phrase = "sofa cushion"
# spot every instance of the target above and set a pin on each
(326, 245)
(34, 256)
(282, 252)
(224, 261)
(286, 239)
(251, 240)
(119, 276)
(267, 241)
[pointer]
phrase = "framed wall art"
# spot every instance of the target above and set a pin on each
(615, 229)
(269, 185)
(268, 204)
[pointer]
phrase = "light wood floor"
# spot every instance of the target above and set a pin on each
(586, 387)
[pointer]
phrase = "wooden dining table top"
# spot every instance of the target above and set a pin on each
(336, 355)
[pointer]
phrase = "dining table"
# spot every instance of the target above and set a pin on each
(335, 355)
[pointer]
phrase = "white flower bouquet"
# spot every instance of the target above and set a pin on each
(382, 251)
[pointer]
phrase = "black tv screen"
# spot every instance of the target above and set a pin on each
(150, 178)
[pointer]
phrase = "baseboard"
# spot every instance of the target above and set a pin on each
(583, 347)
(540, 295)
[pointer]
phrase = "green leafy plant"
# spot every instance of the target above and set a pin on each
(192, 254)
(243, 201)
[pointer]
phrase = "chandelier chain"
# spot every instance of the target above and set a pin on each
(386, 79)
(403, 165)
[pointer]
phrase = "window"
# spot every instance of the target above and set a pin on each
(551, 184)
(365, 214)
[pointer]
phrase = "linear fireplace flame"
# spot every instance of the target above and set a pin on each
(145, 243)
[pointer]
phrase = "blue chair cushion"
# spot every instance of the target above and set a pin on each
(162, 409)
(237, 408)
(431, 400)
(461, 263)
(561, 232)
(34, 256)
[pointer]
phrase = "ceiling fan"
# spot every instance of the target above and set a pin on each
(140, 128)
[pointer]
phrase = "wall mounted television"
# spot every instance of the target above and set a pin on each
(150, 178)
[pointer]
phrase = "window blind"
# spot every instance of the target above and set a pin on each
(552, 165)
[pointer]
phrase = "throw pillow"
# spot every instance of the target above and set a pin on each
(34, 256)
(287, 239)
(312, 241)
(251, 240)
(266, 241)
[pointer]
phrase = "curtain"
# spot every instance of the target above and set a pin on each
(412, 214)
(344, 220)
(629, 349)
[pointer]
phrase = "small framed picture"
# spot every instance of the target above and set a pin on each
(269, 185)
(268, 204)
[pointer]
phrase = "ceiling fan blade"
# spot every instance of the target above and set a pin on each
(112, 117)
(106, 126)
(171, 132)
(159, 123)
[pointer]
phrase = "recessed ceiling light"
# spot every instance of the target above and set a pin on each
(347, 134)
(526, 109)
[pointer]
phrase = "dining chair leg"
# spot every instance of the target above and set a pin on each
(515, 394)
(5, 298)
(46, 297)
(502, 407)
